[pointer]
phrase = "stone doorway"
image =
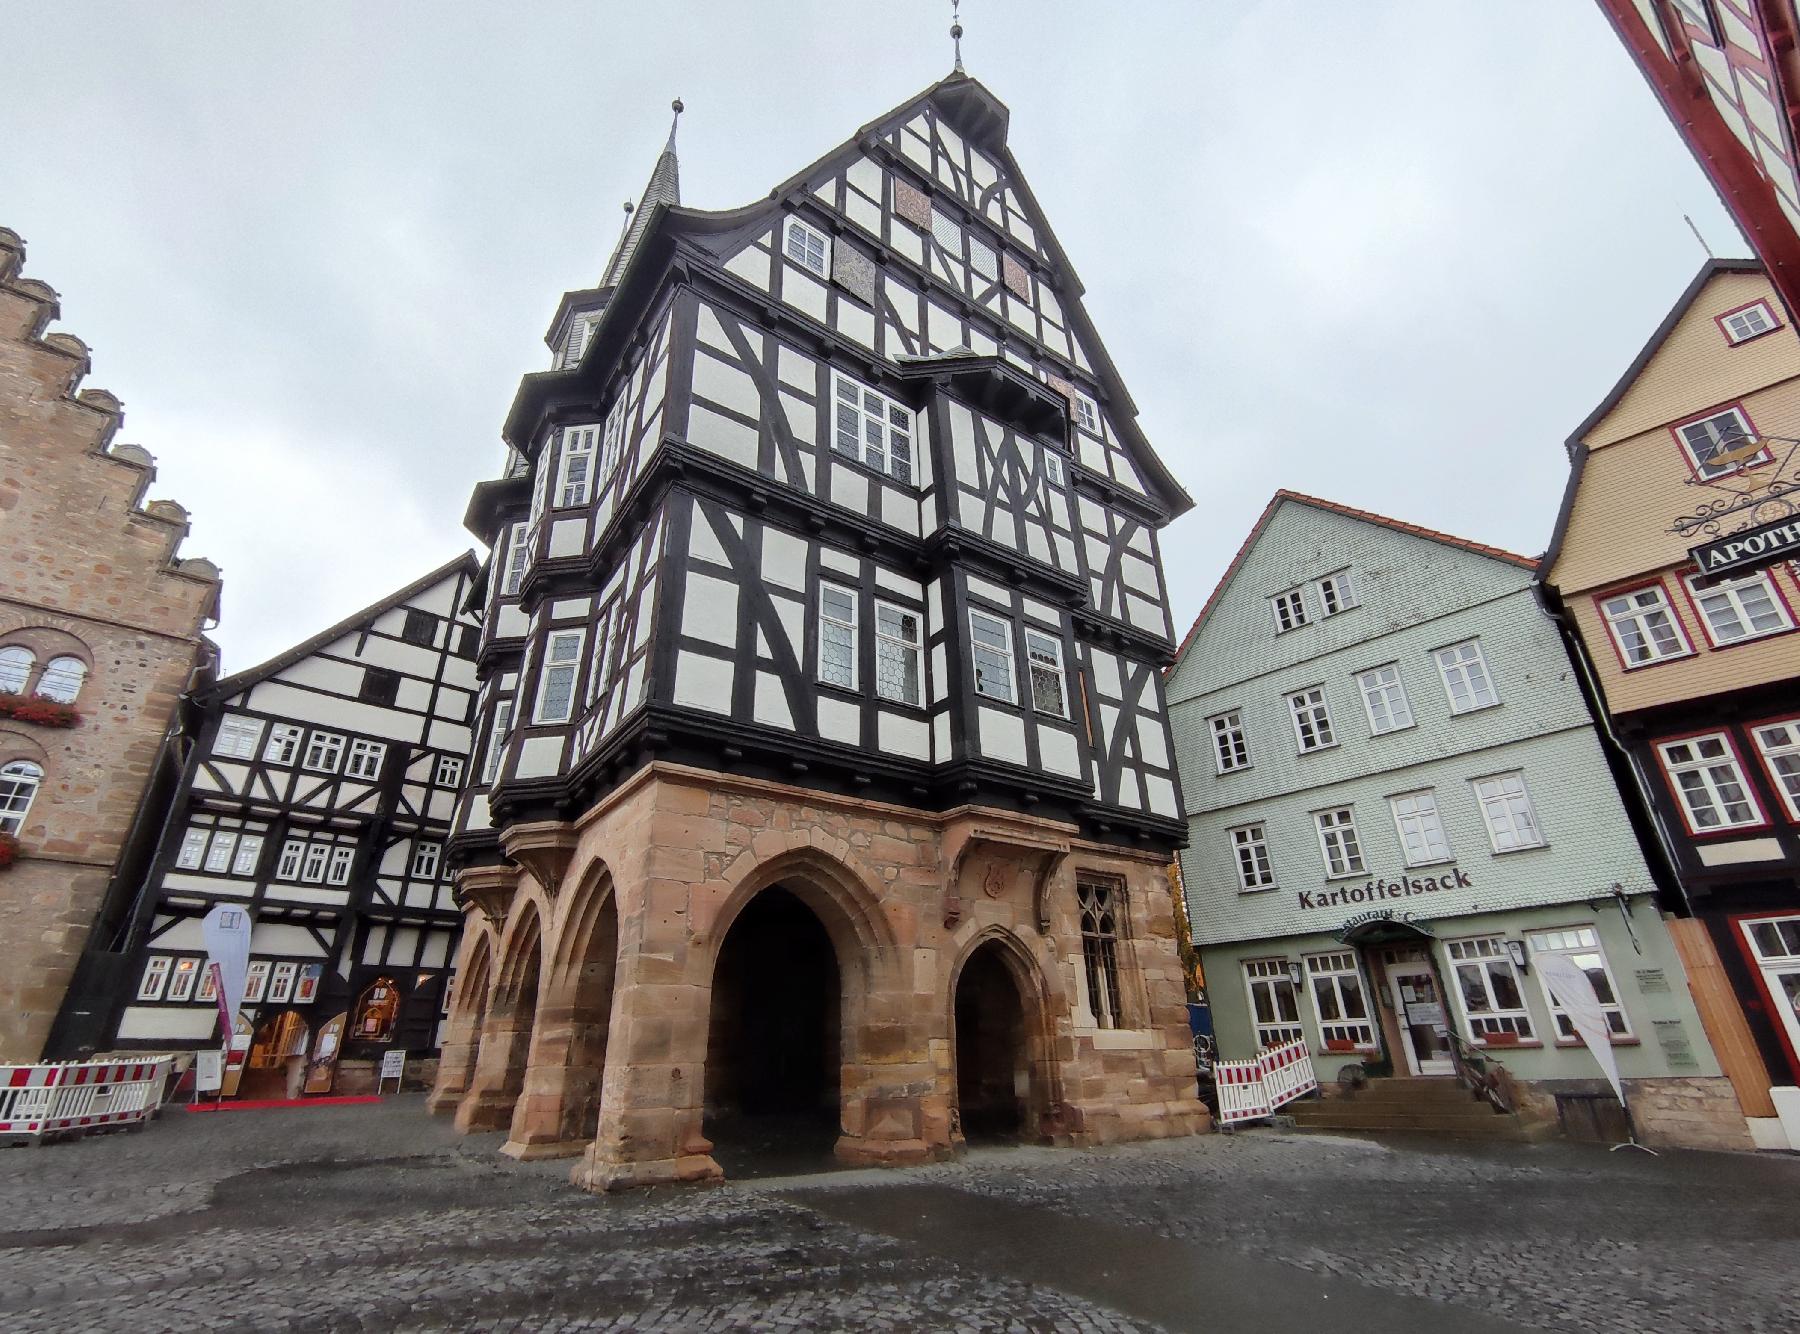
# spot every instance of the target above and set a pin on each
(774, 1042)
(993, 1066)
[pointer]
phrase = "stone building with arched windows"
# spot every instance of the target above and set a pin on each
(823, 786)
(100, 633)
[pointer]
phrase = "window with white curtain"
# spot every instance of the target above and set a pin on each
(1780, 746)
(19, 783)
(1644, 626)
(1705, 774)
(62, 679)
(16, 662)
(1384, 699)
(1421, 831)
(1466, 678)
(1736, 609)
(1506, 806)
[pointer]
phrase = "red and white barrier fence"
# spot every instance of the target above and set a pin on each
(40, 1100)
(1249, 1090)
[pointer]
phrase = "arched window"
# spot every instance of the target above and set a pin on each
(62, 679)
(15, 668)
(18, 785)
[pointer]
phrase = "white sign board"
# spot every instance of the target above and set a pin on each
(393, 1066)
(209, 1071)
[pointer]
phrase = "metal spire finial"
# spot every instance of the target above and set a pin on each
(956, 31)
(677, 107)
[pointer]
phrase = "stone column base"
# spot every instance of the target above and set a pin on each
(486, 1109)
(602, 1177)
(444, 1102)
(530, 1151)
(887, 1152)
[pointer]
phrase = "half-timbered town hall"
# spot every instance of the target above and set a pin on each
(317, 792)
(823, 773)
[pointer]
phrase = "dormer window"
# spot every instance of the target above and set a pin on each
(1747, 322)
(807, 246)
(581, 329)
(1720, 443)
(573, 485)
(1337, 592)
(871, 428)
(1290, 610)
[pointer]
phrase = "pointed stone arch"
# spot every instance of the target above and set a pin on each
(1042, 1114)
(506, 1030)
(468, 1010)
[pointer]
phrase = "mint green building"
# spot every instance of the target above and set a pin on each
(1397, 801)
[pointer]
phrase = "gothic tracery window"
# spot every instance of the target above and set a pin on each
(1102, 906)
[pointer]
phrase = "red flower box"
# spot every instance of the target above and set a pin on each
(1500, 1039)
(37, 709)
(1339, 1044)
(9, 850)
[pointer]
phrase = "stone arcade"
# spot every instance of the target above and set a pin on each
(825, 779)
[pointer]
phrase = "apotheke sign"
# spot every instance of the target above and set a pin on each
(1759, 546)
(1377, 891)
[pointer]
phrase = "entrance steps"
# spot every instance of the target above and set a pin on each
(1440, 1107)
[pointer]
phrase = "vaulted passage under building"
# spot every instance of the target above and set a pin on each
(992, 1063)
(774, 1045)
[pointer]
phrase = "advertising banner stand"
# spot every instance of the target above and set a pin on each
(1574, 992)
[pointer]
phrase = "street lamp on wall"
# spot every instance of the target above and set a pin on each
(1516, 948)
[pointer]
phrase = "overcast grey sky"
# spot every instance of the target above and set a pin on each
(1389, 253)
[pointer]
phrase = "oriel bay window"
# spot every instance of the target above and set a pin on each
(1643, 626)
(872, 428)
(556, 680)
(1102, 906)
(1274, 1006)
(1704, 772)
(837, 636)
(897, 654)
(1043, 655)
(992, 651)
(1492, 1000)
(1582, 944)
(1340, 1003)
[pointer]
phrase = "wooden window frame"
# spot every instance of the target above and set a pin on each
(1736, 760)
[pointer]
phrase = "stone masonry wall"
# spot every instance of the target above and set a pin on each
(86, 571)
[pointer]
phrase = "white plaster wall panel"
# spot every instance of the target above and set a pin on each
(702, 683)
(452, 737)
(897, 734)
(771, 706)
(568, 537)
(436, 950)
(803, 421)
(784, 559)
(413, 694)
(322, 673)
(839, 720)
(752, 265)
(944, 331)
(709, 609)
(329, 711)
(856, 322)
(942, 750)
(796, 369)
(1058, 751)
(1002, 735)
(803, 292)
(722, 435)
(511, 623)
(898, 583)
(452, 703)
(982, 588)
(940, 675)
(539, 756)
(168, 1023)
(725, 384)
(459, 672)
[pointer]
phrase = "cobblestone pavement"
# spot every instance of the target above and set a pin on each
(377, 1217)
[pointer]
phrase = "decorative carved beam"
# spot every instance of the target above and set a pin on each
(542, 847)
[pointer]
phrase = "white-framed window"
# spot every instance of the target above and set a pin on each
(19, 783)
(1087, 414)
(1312, 720)
(556, 680)
(991, 646)
(1043, 658)
(62, 679)
(1466, 678)
(1506, 806)
(1384, 699)
(1775, 945)
(1338, 842)
(426, 856)
(1337, 592)
(1230, 748)
(281, 982)
(1053, 465)
(1779, 744)
(1720, 444)
(1340, 1001)
(182, 979)
(1582, 944)
(1250, 848)
(1290, 609)
(1704, 772)
(16, 663)
(249, 853)
(293, 854)
(1493, 1002)
(238, 737)
(284, 744)
(518, 558)
(312, 868)
(600, 669)
(155, 978)
(869, 426)
(324, 752)
(540, 483)
(1739, 608)
(807, 246)
(1421, 831)
(1274, 1007)
(575, 474)
(1746, 323)
(337, 871)
(193, 849)
(218, 852)
(899, 660)
(496, 747)
(612, 445)
(449, 771)
(1644, 626)
(365, 758)
(256, 980)
(837, 636)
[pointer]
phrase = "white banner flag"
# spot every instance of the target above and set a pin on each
(1574, 992)
(226, 932)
